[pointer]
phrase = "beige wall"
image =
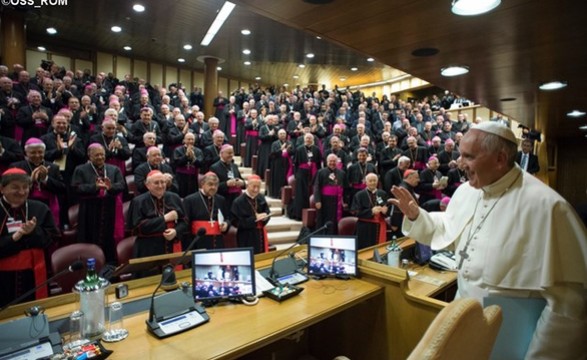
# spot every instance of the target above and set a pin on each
(104, 62)
(122, 67)
(156, 77)
(185, 78)
(62, 61)
(198, 79)
(139, 69)
(84, 64)
(223, 85)
(33, 60)
(170, 75)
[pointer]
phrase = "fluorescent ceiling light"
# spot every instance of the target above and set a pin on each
(116, 28)
(246, 32)
(51, 31)
(127, 48)
(473, 7)
(138, 8)
(454, 70)
(576, 113)
(223, 14)
(41, 48)
(552, 85)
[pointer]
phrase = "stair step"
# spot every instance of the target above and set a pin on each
(273, 202)
(282, 223)
(283, 237)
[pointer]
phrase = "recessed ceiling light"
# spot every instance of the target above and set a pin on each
(473, 7)
(354, 68)
(342, 79)
(576, 113)
(188, 47)
(552, 85)
(454, 70)
(286, 84)
(116, 28)
(247, 63)
(370, 59)
(257, 78)
(301, 66)
(584, 127)
(127, 48)
(219, 68)
(138, 8)
(181, 60)
(51, 31)
(423, 52)
(296, 77)
(309, 55)
(246, 32)
(41, 48)
(246, 51)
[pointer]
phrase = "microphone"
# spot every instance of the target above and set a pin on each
(75, 266)
(168, 277)
(272, 274)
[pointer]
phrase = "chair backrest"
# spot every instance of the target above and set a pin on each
(230, 238)
(347, 225)
(72, 215)
(124, 249)
(462, 330)
(63, 257)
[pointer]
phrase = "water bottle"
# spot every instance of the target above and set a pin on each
(92, 295)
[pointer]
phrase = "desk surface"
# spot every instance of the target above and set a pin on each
(236, 329)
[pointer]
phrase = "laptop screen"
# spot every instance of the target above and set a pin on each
(223, 274)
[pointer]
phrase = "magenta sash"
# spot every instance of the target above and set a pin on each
(284, 154)
(233, 124)
(47, 197)
(335, 190)
(234, 190)
(187, 170)
(118, 220)
(253, 133)
(120, 164)
(18, 133)
(437, 194)
(311, 166)
(359, 186)
(419, 165)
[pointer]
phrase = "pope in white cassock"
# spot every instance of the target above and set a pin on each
(514, 237)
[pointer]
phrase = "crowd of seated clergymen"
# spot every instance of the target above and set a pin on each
(54, 121)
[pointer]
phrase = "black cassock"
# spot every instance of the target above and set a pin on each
(280, 166)
(200, 210)
(368, 230)
(250, 233)
(100, 212)
(356, 177)
(266, 139)
(145, 219)
(226, 172)
(251, 139)
(144, 169)
(307, 161)
(187, 170)
(329, 187)
(26, 253)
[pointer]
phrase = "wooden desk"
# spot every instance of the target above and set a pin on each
(235, 329)
(410, 303)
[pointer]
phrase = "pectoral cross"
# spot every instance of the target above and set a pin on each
(464, 256)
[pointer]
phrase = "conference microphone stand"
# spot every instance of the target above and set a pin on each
(272, 273)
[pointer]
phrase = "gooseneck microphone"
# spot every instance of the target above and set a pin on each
(168, 273)
(75, 266)
(272, 274)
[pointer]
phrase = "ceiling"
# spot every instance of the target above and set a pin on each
(509, 50)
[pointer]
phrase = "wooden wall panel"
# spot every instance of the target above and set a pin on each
(122, 67)
(104, 62)
(139, 69)
(170, 75)
(156, 76)
(83, 64)
(33, 60)
(571, 171)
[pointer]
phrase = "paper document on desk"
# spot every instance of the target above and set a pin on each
(520, 316)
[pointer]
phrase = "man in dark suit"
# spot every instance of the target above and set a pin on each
(527, 160)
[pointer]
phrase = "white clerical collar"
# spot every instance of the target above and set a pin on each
(506, 181)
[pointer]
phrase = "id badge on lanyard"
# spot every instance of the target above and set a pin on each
(13, 225)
